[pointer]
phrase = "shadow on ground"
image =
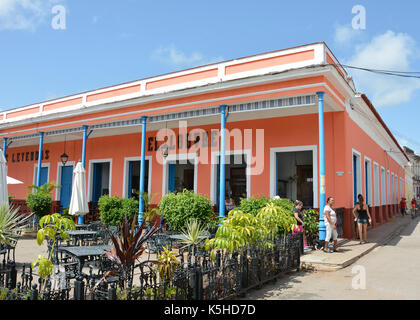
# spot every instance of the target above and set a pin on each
(407, 231)
(275, 290)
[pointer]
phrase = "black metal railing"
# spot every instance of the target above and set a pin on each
(199, 276)
(340, 222)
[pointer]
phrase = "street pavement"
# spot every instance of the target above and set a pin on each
(391, 272)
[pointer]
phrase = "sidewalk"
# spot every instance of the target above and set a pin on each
(352, 250)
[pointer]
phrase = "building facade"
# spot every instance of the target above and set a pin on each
(413, 180)
(272, 144)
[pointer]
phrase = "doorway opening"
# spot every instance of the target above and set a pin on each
(133, 187)
(100, 180)
(235, 178)
(180, 176)
(66, 182)
(294, 176)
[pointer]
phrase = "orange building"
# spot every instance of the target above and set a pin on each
(272, 145)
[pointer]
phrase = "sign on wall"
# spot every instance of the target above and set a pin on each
(27, 156)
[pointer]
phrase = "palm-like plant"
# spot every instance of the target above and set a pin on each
(128, 247)
(193, 233)
(45, 188)
(11, 224)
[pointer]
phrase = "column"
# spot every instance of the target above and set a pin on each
(322, 200)
(38, 174)
(81, 219)
(222, 162)
(4, 146)
(142, 168)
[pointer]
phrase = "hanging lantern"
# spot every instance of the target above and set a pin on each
(64, 157)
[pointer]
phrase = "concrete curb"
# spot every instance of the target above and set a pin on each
(325, 266)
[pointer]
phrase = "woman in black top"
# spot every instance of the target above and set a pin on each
(297, 212)
(362, 217)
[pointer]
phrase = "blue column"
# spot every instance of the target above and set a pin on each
(41, 143)
(85, 136)
(81, 219)
(321, 227)
(4, 146)
(142, 168)
(222, 162)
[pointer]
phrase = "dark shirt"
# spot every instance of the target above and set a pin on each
(299, 212)
(362, 213)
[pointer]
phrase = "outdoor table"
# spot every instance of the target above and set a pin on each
(81, 234)
(82, 226)
(82, 253)
(182, 237)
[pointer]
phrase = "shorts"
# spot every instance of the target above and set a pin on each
(403, 210)
(362, 221)
(331, 233)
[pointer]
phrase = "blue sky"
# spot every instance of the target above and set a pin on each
(110, 42)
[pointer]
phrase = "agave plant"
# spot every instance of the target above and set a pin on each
(127, 248)
(193, 233)
(11, 224)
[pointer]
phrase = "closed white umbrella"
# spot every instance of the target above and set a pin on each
(78, 203)
(11, 180)
(4, 195)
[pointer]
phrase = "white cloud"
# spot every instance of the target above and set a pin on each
(24, 14)
(175, 57)
(344, 35)
(388, 51)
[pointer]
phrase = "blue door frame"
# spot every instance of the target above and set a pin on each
(97, 182)
(66, 186)
(354, 179)
(367, 182)
(43, 176)
(171, 177)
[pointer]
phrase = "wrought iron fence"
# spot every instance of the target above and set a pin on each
(30, 286)
(199, 276)
(340, 222)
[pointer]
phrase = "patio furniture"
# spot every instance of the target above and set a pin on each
(82, 226)
(95, 226)
(180, 237)
(81, 236)
(85, 253)
(102, 237)
(156, 243)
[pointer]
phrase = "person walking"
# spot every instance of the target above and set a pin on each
(403, 206)
(362, 216)
(300, 227)
(330, 220)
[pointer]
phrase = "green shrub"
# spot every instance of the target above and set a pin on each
(284, 203)
(240, 228)
(310, 218)
(253, 205)
(113, 209)
(179, 208)
(39, 203)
